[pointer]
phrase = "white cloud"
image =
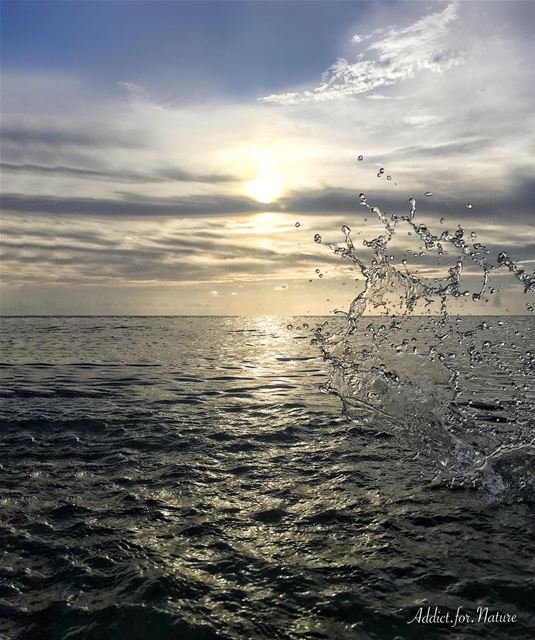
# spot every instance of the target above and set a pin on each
(135, 91)
(421, 120)
(398, 55)
(379, 96)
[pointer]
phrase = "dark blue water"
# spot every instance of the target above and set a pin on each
(183, 478)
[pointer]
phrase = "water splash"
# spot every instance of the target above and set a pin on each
(417, 371)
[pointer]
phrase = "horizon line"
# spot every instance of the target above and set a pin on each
(259, 315)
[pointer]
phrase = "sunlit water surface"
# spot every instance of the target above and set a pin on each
(184, 478)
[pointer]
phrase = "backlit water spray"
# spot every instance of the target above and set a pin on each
(416, 370)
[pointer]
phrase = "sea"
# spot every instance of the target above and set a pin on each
(196, 478)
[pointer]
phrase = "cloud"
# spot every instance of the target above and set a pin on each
(398, 55)
(379, 96)
(172, 251)
(51, 234)
(421, 120)
(50, 135)
(517, 201)
(441, 150)
(164, 174)
(135, 91)
(131, 205)
(206, 254)
(116, 189)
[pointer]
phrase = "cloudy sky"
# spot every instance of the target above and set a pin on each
(156, 156)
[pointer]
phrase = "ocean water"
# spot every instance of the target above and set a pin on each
(185, 478)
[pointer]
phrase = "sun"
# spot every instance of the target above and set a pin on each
(265, 188)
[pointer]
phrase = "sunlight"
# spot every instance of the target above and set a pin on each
(264, 223)
(266, 188)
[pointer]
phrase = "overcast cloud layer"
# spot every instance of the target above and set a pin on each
(121, 197)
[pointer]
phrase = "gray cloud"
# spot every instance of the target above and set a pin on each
(324, 201)
(41, 250)
(134, 207)
(321, 201)
(517, 204)
(99, 138)
(448, 149)
(53, 234)
(168, 256)
(164, 174)
(160, 247)
(147, 264)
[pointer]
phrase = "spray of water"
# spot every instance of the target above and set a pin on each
(418, 371)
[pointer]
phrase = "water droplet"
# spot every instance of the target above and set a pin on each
(317, 238)
(290, 327)
(468, 205)
(389, 177)
(381, 170)
(321, 275)
(360, 158)
(412, 202)
(442, 220)
(362, 197)
(317, 270)
(346, 230)
(297, 224)
(428, 194)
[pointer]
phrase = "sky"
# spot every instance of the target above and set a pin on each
(179, 157)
